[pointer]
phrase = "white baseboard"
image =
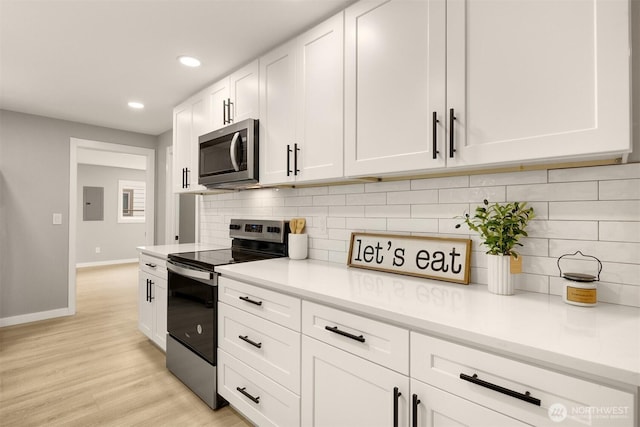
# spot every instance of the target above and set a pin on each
(103, 263)
(34, 317)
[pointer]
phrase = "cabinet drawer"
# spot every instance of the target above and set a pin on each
(153, 265)
(265, 402)
(265, 346)
(376, 341)
(581, 402)
(281, 309)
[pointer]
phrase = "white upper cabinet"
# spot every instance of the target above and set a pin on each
(466, 82)
(301, 107)
(235, 97)
(394, 83)
(537, 79)
(190, 119)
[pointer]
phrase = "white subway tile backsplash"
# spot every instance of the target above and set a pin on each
(376, 187)
(577, 230)
(510, 178)
(628, 210)
(593, 209)
(412, 197)
(416, 225)
(615, 231)
(388, 211)
(472, 195)
(553, 192)
(366, 199)
(438, 183)
(596, 173)
(624, 189)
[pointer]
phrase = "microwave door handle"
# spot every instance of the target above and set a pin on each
(232, 151)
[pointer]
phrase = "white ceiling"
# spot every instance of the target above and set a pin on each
(84, 60)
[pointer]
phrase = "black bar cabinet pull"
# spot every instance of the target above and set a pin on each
(148, 291)
(184, 170)
(247, 299)
(335, 330)
(248, 396)
(151, 297)
(186, 177)
(396, 395)
(150, 264)
(435, 135)
(229, 104)
(295, 159)
(253, 343)
(224, 111)
(526, 396)
(288, 159)
(415, 403)
(452, 119)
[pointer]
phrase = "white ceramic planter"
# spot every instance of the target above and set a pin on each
(499, 277)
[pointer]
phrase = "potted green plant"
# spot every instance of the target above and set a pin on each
(500, 226)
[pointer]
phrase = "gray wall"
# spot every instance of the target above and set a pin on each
(635, 73)
(34, 183)
(117, 241)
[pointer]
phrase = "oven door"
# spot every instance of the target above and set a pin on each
(191, 311)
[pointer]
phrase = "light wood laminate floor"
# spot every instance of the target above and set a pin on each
(96, 368)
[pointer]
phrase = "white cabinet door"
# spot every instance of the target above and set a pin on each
(244, 94)
(301, 107)
(159, 298)
(277, 114)
(217, 98)
(537, 79)
(145, 306)
(436, 408)
(343, 390)
(319, 120)
(190, 120)
(394, 83)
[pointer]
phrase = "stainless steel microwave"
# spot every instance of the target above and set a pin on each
(228, 157)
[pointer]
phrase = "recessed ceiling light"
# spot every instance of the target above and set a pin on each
(136, 105)
(189, 61)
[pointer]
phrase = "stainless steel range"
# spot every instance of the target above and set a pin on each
(193, 298)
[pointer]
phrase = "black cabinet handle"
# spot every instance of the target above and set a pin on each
(295, 159)
(183, 177)
(151, 297)
(288, 159)
(396, 395)
(435, 135)
(150, 264)
(224, 111)
(186, 177)
(335, 330)
(526, 396)
(148, 291)
(253, 343)
(415, 403)
(229, 117)
(452, 119)
(247, 299)
(248, 396)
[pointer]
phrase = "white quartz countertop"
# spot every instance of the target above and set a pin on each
(601, 341)
(163, 250)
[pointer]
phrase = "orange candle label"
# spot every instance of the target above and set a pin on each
(585, 296)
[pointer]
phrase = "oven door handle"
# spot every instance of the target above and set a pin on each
(189, 272)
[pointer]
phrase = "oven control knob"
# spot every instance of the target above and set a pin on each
(273, 229)
(234, 227)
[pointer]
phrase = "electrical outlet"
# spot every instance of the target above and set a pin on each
(97, 249)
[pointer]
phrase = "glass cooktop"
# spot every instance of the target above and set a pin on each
(208, 260)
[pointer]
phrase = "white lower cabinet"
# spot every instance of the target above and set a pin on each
(340, 389)
(259, 353)
(432, 407)
(152, 299)
(263, 401)
(518, 390)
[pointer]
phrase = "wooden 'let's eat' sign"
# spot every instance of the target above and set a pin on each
(431, 257)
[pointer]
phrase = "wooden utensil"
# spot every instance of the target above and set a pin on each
(300, 223)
